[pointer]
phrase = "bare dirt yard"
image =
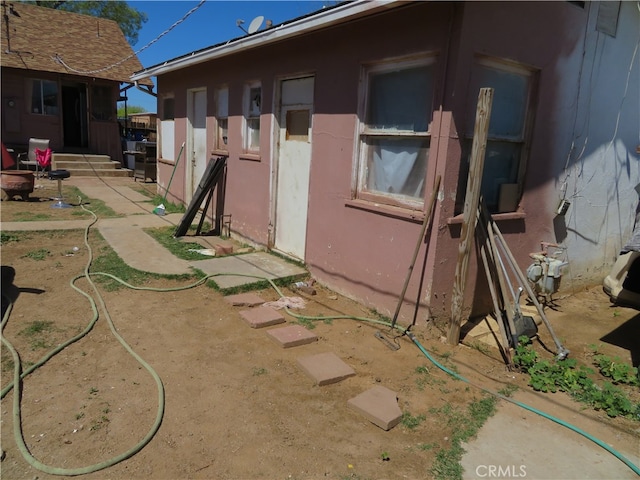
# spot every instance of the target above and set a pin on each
(236, 404)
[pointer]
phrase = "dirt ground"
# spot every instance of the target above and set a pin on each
(237, 406)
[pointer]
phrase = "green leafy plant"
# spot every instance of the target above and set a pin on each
(385, 456)
(618, 371)
(576, 380)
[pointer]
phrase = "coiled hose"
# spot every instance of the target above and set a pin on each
(17, 377)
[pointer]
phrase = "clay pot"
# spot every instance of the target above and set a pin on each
(16, 182)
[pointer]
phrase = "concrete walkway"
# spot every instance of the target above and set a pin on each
(139, 250)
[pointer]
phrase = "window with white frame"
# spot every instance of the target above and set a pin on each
(252, 109)
(222, 118)
(394, 137)
(507, 138)
(43, 98)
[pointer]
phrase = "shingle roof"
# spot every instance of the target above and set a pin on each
(37, 38)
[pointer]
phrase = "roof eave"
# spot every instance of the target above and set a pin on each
(317, 21)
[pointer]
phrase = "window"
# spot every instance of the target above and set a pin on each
(44, 97)
(506, 140)
(167, 129)
(222, 118)
(394, 137)
(168, 108)
(102, 104)
(252, 103)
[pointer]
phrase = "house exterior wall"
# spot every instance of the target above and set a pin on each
(364, 250)
(538, 36)
(597, 157)
(18, 124)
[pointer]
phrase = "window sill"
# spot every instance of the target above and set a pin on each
(495, 216)
(164, 161)
(254, 157)
(220, 153)
(416, 216)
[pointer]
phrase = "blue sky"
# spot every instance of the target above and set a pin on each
(212, 23)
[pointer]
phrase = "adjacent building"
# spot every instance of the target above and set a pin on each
(62, 76)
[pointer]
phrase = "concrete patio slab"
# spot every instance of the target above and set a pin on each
(237, 270)
(325, 368)
(514, 439)
(260, 317)
(245, 300)
(292, 336)
(379, 405)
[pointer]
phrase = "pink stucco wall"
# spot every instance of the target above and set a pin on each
(365, 253)
(538, 35)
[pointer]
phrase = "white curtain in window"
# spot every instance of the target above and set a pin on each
(392, 165)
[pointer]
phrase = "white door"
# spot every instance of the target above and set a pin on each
(294, 164)
(196, 152)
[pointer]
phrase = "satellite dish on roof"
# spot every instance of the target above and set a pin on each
(255, 24)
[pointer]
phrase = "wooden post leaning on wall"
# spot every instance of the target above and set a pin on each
(471, 201)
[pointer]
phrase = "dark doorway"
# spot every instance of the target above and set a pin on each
(74, 115)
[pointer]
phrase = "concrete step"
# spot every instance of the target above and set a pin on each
(89, 165)
(104, 165)
(88, 172)
(80, 157)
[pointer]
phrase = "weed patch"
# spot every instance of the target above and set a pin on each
(164, 236)
(30, 217)
(108, 261)
(9, 237)
(425, 378)
(410, 422)
(464, 425)
(37, 332)
(38, 255)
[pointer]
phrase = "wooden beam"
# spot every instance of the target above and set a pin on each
(471, 201)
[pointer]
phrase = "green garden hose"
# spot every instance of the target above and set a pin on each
(17, 386)
(405, 331)
(18, 376)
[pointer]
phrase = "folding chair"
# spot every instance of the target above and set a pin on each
(30, 158)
